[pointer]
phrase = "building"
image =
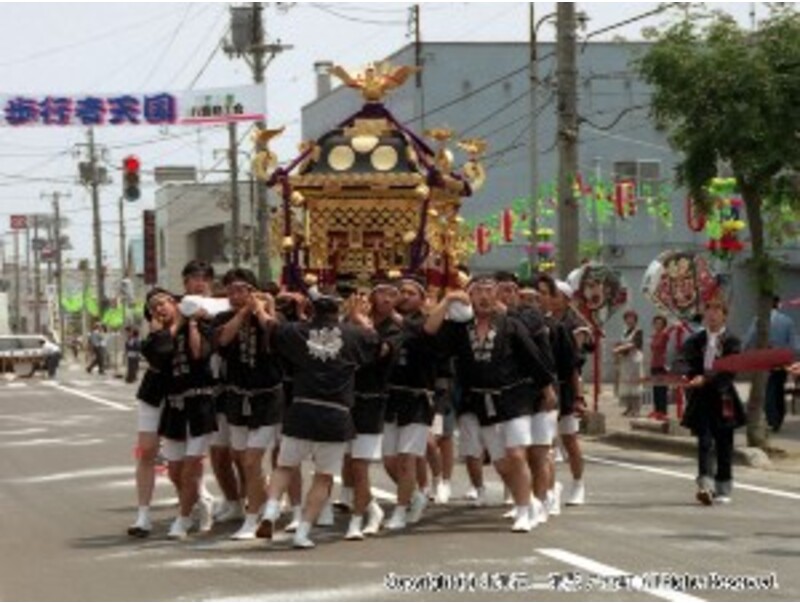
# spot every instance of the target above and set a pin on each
(483, 90)
(193, 221)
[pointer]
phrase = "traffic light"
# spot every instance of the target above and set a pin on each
(130, 178)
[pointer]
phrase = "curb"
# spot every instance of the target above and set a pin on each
(684, 446)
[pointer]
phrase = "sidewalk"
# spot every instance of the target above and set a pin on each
(783, 448)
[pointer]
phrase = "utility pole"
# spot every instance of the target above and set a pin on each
(236, 226)
(417, 29)
(533, 142)
(568, 225)
(37, 277)
(248, 42)
(17, 305)
(56, 197)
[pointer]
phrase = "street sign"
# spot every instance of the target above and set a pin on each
(38, 244)
(19, 222)
(150, 265)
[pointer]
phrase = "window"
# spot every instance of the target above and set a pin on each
(645, 173)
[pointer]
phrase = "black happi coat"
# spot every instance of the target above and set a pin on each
(157, 350)
(567, 360)
(412, 382)
(371, 397)
(502, 376)
(324, 356)
(252, 385)
(716, 405)
(189, 384)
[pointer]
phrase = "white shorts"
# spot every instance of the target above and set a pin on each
(327, 456)
(516, 432)
(366, 446)
(409, 439)
(176, 450)
(544, 426)
(437, 427)
(222, 436)
(569, 425)
(265, 437)
(149, 416)
(474, 439)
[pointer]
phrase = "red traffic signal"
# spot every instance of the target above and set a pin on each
(130, 178)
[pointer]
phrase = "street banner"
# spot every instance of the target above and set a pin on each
(161, 108)
(19, 222)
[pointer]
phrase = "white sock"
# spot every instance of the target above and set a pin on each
(303, 529)
(347, 494)
(297, 512)
(144, 513)
(251, 519)
(272, 510)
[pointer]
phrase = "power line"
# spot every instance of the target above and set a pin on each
(165, 50)
(326, 9)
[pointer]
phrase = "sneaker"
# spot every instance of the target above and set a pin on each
(354, 531)
(443, 492)
(248, 529)
(480, 497)
(265, 529)
(522, 520)
(471, 493)
(704, 497)
(142, 527)
(300, 540)
(205, 515)
(375, 517)
(722, 499)
(510, 514)
(297, 517)
(554, 500)
(417, 507)
(179, 530)
(538, 512)
(325, 518)
(576, 494)
(398, 519)
(229, 510)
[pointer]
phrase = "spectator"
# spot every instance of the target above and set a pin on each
(782, 334)
(133, 350)
(629, 355)
(658, 366)
(52, 355)
(97, 347)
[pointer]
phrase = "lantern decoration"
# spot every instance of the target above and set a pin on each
(482, 237)
(625, 198)
(507, 225)
(677, 282)
(599, 292)
(694, 218)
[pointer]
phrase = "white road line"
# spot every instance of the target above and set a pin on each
(51, 442)
(600, 569)
(80, 394)
(20, 432)
(357, 592)
(687, 476)
(70, 475)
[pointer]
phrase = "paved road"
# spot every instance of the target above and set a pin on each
(66, 496)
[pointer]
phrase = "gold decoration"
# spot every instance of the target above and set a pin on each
(310, 279)
(364, 143)
(341, 158)
(440, 135)
(475, 147)
(433, 213)
(444, 160)
(384, 158)
(376, 80)
(297, 198)
(423, 191)
(474, 173)
(287, 243)
(409, 236)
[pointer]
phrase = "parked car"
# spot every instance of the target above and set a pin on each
(22, 355)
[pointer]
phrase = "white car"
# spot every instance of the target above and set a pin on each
(22, 355)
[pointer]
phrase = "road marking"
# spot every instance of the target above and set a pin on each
(69, 475)
(360, 592)
(20, 432)
(80, 394)
(51, 442)
(686, 476)
(601, 569)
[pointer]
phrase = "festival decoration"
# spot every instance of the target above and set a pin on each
(677, 282)
(371, 197)
(599, 292)
(724, 222)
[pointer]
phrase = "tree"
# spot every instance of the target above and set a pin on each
(727, 94)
